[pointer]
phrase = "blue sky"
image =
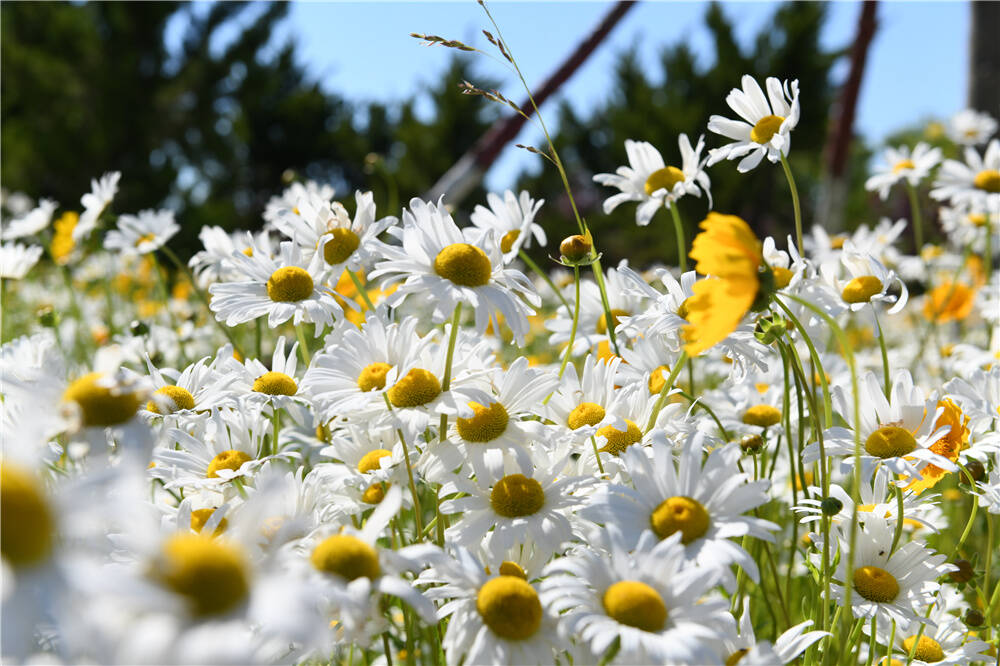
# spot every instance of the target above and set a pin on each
(362, 50)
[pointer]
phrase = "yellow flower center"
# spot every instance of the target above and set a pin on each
(635, 604)
(735, 657)
(861, 289)
(782, 276)
(657, 379)
(928, 649)
(417, 388)
(374, 494)
(486, 423)
(339, 248)
(602, 323)
(211, 576)
(585, 414)
(978, 219)
(510, 607)
(231, 460)
(508, 568)
(346, 556)
(373, 376)
(619, 440)
(248, 251)
(988, 180)
(178, 395)
(463, 264)
(517, 495)
(876, 584)
(289, 284)
(764, 416)
(275, 383)
(370, 461)
(683, 514)
(26, 524)
(664, 178)
(766, 128)
(890, 442)
(837, 242)
(903, 165)
(508, 240)
(201, 516)
(100, 405)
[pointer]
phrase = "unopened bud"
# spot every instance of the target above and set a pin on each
(46, 316)
(964, 573)
(973, 618)
(975, 470)
(831, 506)
(752, 444)
(575, 248)
(138, 327)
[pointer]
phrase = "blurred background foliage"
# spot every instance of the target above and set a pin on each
(213, 133)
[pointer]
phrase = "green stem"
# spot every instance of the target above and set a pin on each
(542, 274)
(449, 358)
(361, 290)
(918, 225)
(417, 519)
(597, 455)
(681, 243)
(303, 344)
(827, 401)
(885, 354)
(899, 518)
(795, 203)
(576, 321)
(667, 385)
(872, 643)
(608, 317)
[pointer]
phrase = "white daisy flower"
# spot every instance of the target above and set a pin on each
(651, 182)
(279, 288)
(945, 641)
(966, 227)
(867, 280)
(662, 317)
(974, 183)
(277, 385)
(741, 645)
(652, 600)
(214, 263)
(346, 244)
(508, 504)
(16, 260)
(766, 126)
(31, 222)
(494, 619)
(704, 503)
(896, 433)
(200, 387)
(143, 233)
(289, 199)
(890, 586)
(512, 220)
(102, 193)
(449, 266)
(900, 164)
(971, 128)
(374, 460)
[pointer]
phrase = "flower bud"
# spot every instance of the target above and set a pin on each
(575, 248)
(46, 316)
(975, 469)
(973, 618)
(831, 506)
(964, 573)
(752, 444)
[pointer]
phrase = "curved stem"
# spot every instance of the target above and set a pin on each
(795, 203)
(667, 385)
(542, 274)
(899, 518)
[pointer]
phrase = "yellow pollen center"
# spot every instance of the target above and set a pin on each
(510, 607)
(373, 376)
(516, 495)
(231, 460)
(370, 461)
(275, 383)
(602, 323)
(201, 516)
(145, 238)
(664, 178)
(508, 240)
(508, 568)
(680, 513)
(248, 251)
(178, 395)
(735, 657)
(210, 575)
(636, 605)
(619, 440)
(861, 289)
(928, 649)
(417, 388)
(988, 180)
(876, 584)
(346, 556)
(837, 242)
(585, 414)
(978, 219)
(374, 494)
(764, 416)
(101, 406)
(486, 423)
(339, 248)
(463, 264)
(890, 442)
(782, 276)
(657, 379)
(289, 284)
(26, 524)
(902, 165)
(766, 128)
